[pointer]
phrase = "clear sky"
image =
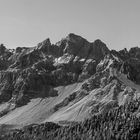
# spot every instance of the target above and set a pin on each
(28, 22)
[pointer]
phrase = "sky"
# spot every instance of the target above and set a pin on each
(28, 22)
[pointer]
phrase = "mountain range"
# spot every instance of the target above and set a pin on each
(68, 82)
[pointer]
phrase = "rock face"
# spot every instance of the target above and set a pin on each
(70, 80)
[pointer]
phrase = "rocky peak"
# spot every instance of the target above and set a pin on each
(73, 44)
(2, 49)
(44, 44)
(73, 37)
(78, 46)
(124, 54)
(99, 49)
(135, 52)
(99, 43)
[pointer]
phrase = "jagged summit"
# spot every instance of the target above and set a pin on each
(78, 46)
(44, 43)
(71, 36)
(2, 48)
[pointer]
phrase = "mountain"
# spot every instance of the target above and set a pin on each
(71, 81)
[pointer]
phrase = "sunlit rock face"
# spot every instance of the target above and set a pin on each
(68, 81)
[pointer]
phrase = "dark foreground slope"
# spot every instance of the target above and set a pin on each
(71, 90)
(116, 124)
